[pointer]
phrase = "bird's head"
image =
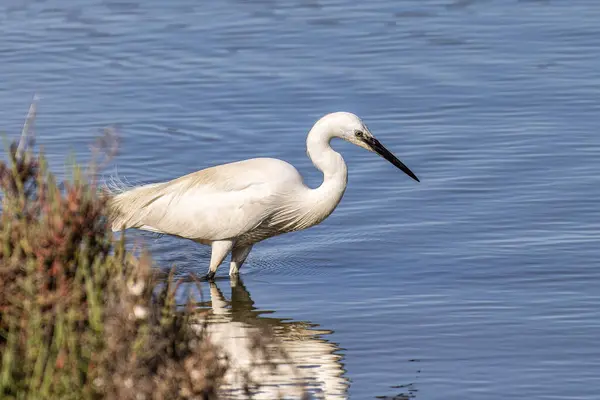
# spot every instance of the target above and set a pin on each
(350, 127)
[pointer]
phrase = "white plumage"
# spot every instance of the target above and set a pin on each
(233, 206)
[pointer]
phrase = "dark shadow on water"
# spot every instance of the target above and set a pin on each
(407, 392)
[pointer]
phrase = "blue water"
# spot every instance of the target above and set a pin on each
(481, 282)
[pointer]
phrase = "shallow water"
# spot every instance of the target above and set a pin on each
(481, 282)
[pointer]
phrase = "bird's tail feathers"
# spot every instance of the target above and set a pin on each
(115, 185)
(127, 202)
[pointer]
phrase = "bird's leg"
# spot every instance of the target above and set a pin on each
(220, 249)
(238, 256)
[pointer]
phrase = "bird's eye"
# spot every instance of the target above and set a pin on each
(359, 134)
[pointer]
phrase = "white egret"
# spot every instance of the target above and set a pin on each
(233, 206)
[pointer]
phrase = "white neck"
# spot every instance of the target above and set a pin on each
(326, 197)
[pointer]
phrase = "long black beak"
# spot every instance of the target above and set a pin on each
(385, 153)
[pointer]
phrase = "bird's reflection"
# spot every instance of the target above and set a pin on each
(312, 363)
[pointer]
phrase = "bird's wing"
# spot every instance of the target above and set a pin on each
(204, 211)
(222, 178)
(215, 203)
